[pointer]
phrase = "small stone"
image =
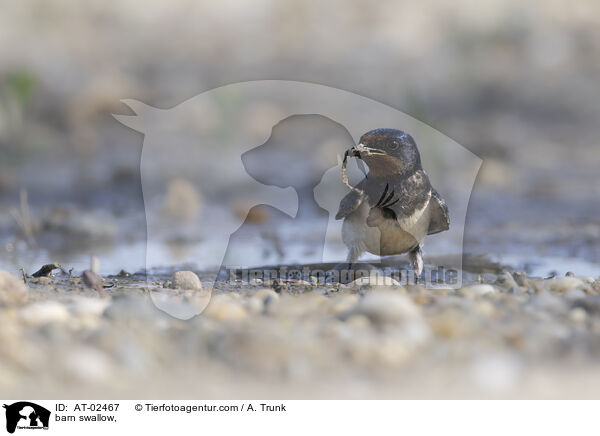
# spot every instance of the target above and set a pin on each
(12, 289)
(88, 365)
(267, 296)
(578, 315)
(547, 302)
(343, 304)
(44, 312)
(183, 201)
(496, 372)
(485, 308)
(84, 306)
(591, 304)
(224, 308)
(300, 283)
(43, 281)
(387, 307)
(91, 280)
(358, 321)
(477, 290)
(574, 294)
(422, 299)
(186, 280)
(563, 284)
(520, 278)
(254, 305)
(506, 281)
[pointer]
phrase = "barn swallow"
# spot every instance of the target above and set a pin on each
(394, 207)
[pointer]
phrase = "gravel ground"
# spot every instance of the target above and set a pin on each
(505, 335)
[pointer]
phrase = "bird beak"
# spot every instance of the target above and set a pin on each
(361, 151)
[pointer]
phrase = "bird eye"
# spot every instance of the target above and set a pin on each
(394, 145)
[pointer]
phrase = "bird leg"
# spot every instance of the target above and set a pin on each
(353, 255)
(416, 260)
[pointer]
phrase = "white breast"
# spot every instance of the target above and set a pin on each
(381, 236)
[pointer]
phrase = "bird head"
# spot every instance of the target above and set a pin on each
(387, 152)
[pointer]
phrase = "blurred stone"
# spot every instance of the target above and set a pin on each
(88, 365)
(44, 312)
(563, 284)
(266, 295)
(343, 303)
(93, 307)
(591, 304)
(42, 281)
(12, 289)
(578, 315)
(183, 201)
(520, 278)
(506, 281)
(223, 308)
(186, 280)
(548, 303)
(386, 307)
(574, 294)
(497, 372)
(477, 290)
(254, 305)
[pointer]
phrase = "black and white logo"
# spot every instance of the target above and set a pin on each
(26, 415)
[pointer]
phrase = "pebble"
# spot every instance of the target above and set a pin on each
(88, 365)
(44, 312)
(358, 321)
(591, 304)
(477, 290)
(186, 280)
(578, 315)
(12, 289)
(574, 294)
(520, 278)
(266, 295)
(343, 304)
(183, 201)
(43, 280)
(386, 307)
(401, 334)
(549, 303)
(563, 284)
(225, 309)
(254, 305)
(498, 372)
(92, 307)
(506, 281)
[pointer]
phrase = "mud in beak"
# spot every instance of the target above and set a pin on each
(360, 151)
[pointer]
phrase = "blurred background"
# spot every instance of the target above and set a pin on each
(514, 82)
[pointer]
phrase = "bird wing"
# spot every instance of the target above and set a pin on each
(350, 202)
(401, 199)
(439, 218)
